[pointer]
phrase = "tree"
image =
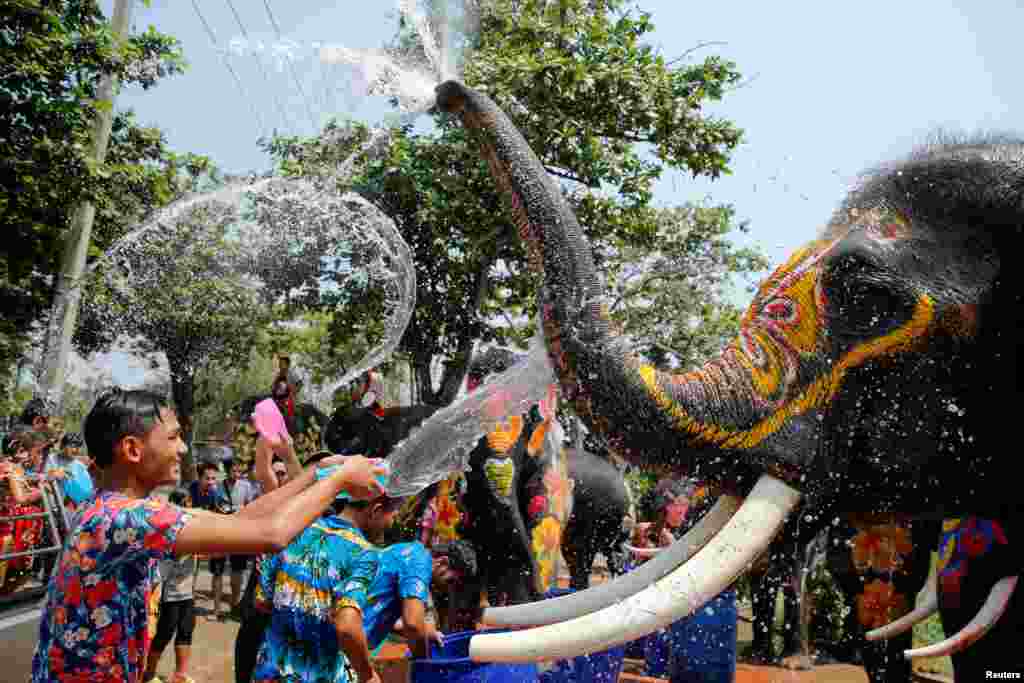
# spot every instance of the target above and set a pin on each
(54, 54)
(183, 290)
(590, 98)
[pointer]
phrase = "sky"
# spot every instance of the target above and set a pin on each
(830, 88)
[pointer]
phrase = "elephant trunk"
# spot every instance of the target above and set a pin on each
(646, 415)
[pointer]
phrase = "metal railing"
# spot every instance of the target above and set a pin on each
(49, 500)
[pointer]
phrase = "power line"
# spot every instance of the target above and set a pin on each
(238, 82)
(245, 34)
(291, 68)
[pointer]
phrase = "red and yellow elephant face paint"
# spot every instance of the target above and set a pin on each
(784, 352)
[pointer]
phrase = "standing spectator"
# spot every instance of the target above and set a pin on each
(23, 497)
(64, 466)
(93, 627)
(209, 494)
(240, 491)
(177, 609)
(288, 376)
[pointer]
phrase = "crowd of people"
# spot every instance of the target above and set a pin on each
(322, 594)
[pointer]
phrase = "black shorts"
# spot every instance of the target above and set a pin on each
(238, 564)
(178, 621)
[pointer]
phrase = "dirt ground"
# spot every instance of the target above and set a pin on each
(213, 654)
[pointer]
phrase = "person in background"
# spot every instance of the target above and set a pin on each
(177, 609)
(24, 497)
(288, 376)
(239, 491)
(66, 467)
(93, 626)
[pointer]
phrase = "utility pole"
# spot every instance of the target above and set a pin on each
(64, 314)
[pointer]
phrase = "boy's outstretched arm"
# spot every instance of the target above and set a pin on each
(414, 628)
(295, 506)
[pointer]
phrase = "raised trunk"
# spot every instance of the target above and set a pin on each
(648, 416)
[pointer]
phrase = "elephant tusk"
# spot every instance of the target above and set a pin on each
(907, 621)
(612, 592)
(994, 607)
(641, 552)
(686, 589)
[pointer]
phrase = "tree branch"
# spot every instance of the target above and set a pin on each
(698, 46)
(640, 287)
(567, 176)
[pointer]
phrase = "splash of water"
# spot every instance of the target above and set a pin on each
(442, 444)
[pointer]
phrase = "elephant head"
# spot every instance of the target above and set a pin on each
(875, 370)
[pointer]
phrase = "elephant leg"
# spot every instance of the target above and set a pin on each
(884, 660)
(791, 634)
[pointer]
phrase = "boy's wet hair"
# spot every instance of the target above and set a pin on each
(116, 414)
(72, 440)
(179, 496)
(461, 556)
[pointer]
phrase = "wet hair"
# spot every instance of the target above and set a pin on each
(116, 414)
(37, 407)
(72, 440)
(204, 466)
(461, 556)
(179, 496)
(28, 439)
(491, 361)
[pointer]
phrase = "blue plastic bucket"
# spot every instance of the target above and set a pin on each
(599, 667)
(451, 664)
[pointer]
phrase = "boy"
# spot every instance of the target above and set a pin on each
(398, 596)
(177, 609)
(76, 483)
(316, 592)
(94, 624)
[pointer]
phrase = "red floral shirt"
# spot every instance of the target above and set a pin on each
(94, 627)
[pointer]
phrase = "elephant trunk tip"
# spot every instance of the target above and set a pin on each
(451, 96)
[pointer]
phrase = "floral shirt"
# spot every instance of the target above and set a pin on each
(404, 572)
(327, 567)
(94, 627)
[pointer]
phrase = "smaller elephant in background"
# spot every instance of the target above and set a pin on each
(600, 504)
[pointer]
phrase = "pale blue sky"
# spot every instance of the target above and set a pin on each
(835, 87)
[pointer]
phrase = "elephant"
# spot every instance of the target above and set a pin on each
(600, 504)
(372, 432)
(305, 426)
(875, 371)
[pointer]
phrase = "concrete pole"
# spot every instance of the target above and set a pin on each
(64, 314)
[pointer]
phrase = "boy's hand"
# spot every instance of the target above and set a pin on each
(435, 636)
(360, 474)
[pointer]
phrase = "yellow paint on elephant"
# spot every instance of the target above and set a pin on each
(500, 473)
(504, 436)
(546, 541)
(818, 393)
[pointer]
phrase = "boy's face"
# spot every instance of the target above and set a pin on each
(209, 479)
(157, 455)
(72, 452)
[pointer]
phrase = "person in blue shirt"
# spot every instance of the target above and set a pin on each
(76, 482)
(397, 598)
(315, 591)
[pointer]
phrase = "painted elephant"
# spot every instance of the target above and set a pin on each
(600, 504)
(372, 431)
(305, 425)
(875, 371)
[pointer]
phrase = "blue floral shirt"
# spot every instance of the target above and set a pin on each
(327, 567)
(94, 626)
(404, 572)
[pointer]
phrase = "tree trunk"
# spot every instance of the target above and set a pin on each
(183, 395)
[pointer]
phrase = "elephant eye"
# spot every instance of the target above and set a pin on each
(862, 298)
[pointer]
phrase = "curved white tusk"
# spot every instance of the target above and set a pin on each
(997, 602)
(907, 621)
(688, 587)
(612, 592)
(641, 552)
